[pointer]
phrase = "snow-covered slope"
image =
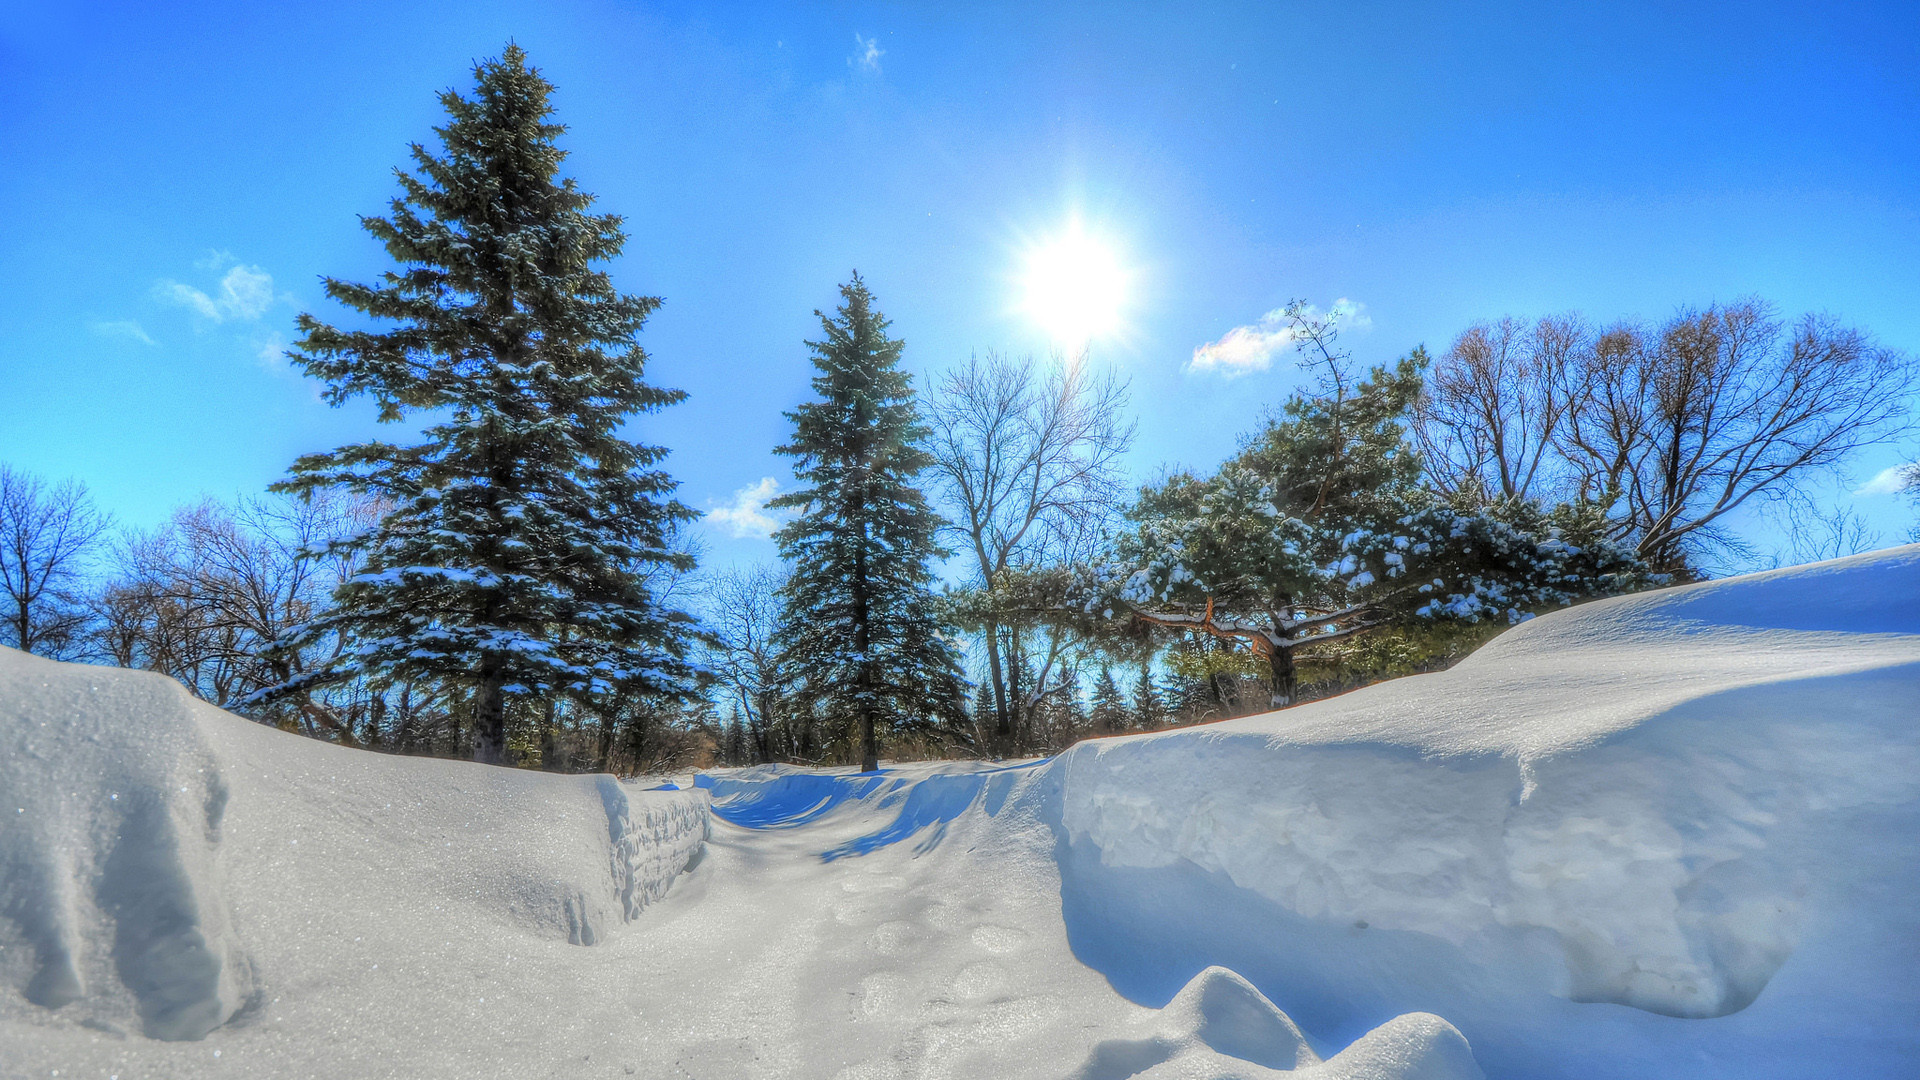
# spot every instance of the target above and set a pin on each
(1668, 834)
(1671, 835)
(167, 869)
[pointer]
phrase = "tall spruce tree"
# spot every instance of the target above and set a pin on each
(863, 636)
(522, 534)
(1109, 704)
(1147, 709)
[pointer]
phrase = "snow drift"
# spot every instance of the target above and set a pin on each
(151, 841)
(1664, 834)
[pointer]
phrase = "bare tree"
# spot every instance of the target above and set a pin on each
(1685, 424)
(1029, 459)
(206, 597)
(48, 534)
(1815, 535)
(744, 608)
(1496, 403)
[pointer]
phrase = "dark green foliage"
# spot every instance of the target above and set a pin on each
(1148, 708)
(1110, 713)
(520, 539)
(1343, 455)
(863, 638)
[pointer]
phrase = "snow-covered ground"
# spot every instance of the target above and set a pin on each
(1670, 835)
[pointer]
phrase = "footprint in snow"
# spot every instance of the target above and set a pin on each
(890, 938)
(999, 939)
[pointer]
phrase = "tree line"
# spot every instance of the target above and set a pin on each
(521, 586)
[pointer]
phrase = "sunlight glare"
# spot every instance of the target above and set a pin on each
(1075, 287)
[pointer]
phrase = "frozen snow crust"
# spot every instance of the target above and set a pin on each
(1669, 835)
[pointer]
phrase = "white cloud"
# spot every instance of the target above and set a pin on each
(1253, 347)
(866, 55)
(747, 516)
(271, 351)
(1246, 348)
(245, 294)
(1890, 481)
(125, 328)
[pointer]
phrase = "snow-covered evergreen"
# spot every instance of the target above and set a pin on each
(1110, 713)
(516, 555)
(1319, 530)
(864, 640)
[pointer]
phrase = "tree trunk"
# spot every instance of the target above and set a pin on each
(1017, 716)
(1002, 720)
(606, 739)
(490, 720)
(1284, 677)
(549, 739)
(404, 736)
(863, 646)
(762, 730)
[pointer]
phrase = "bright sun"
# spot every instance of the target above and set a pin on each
(1075, 287)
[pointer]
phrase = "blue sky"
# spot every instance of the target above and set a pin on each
(179, 179)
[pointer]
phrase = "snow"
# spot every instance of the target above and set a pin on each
(1665, 835)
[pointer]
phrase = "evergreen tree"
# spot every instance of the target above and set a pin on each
(733, 742)
(1064, 711)
(983, 708)
(1147, 709)
(1318, 530)
(1109, 704)
(863, 636)
(516, 557)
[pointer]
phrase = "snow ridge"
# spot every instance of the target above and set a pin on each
(649, 846)
(147, 837)
(112, 884)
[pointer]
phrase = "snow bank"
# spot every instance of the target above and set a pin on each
(166, 867)
(1658, 835)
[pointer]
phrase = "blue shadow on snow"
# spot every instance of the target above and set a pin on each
(793, 799)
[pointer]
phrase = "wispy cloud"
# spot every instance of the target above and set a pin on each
(243, 295)
(271, 351)
(747, 516)
(1253, 347)
(124, 328)
(866, 54)
(1890, 481)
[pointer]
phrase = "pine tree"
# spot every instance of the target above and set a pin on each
(863, 635)
(733, 741)
(516, 558)
(1109, 704)
(1148, 712)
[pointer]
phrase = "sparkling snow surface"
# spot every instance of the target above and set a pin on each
(1670, 835)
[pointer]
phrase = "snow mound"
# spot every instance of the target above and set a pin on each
(166, 867)
(111, 850)
(1219, 1027)
(1698, 803)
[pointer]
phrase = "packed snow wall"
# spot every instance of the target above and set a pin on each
(1669, 834)
(164, 863)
